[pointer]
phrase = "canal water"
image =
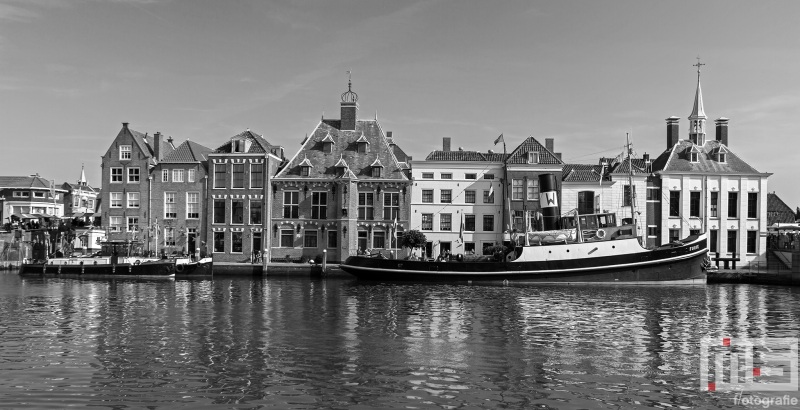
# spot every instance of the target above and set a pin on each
(297, 343)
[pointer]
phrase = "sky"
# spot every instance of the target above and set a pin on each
(582, 72)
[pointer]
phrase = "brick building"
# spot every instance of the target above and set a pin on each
(341, 191)
(239, 197)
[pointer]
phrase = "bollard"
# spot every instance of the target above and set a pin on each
(324, 261)
(264, 259)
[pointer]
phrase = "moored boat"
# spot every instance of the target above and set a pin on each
(185, 267)
(115, 259)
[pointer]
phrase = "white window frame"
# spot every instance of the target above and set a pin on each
(132, 220)
(131, 198)
(177, 175)
(115, 197)
(173, 205)
(190, 175)
(125, 152)
(533, 157)
(111, 175)
(115, 223)
(38, 194)
(165, 175)
(131, 175)
(192, 205)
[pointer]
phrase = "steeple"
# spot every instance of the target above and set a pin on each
(82, 180)
(697, 119)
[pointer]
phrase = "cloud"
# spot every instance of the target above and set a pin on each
(17, 14)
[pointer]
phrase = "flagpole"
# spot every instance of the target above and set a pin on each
(505, 193)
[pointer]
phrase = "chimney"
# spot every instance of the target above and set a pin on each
(722, 130)
(446, 144)
(673, 133)
(388, 134)
(349, 109)
(125, 125)
(646, 157)
(157, 145)
(548, 143)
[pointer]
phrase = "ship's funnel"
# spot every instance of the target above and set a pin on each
(548, 201)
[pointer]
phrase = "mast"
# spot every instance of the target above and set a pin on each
(630, 183)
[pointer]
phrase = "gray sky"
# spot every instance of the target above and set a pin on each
(583, 72)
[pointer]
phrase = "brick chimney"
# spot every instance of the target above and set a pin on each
(548, 143)
(446, 144)
(722, 130)
(349, 109)
(125, 125)
(673, 132)
(157, 145)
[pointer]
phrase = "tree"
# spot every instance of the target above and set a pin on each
(413, 239)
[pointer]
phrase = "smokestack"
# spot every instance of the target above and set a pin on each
(548, 201)
(722, 130)
(125, 125)
(446, 144)
(673, 133)
(157, 145)
(548, 143)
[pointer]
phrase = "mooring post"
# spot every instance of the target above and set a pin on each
(264, 261)
(324, 261)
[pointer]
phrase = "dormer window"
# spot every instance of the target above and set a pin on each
(327, 144)
(694, 154)
(721, 157)
(377, 168)
(305, 168)
(240, 145)
(720, 154)
(363, 145)
(341, 166)
(533, 157)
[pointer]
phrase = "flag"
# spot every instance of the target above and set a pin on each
(491, 190)
(499, 139)
(53, 189)
(461, 231)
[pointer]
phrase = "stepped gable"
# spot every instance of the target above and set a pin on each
(520, 154)
(456, 156)
(676, 159)
(189, 151)
(24, 182)
(345, 147)
(581, 173)
(259, 144)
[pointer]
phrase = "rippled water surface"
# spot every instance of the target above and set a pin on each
(338, 343)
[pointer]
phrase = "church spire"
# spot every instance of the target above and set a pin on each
(82, 180)
(697, 119)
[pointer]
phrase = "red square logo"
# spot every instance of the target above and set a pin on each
(712, 386)
(756, 371)
(726, 341)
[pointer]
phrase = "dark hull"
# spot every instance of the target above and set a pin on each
(194, 269)
(667, 265)
(148, 269)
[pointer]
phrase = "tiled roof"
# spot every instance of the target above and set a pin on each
(71, 187)
(456, 156)
(778, 211)
(400, 154)
(346, 148)
(623, 167)
(520, 154)
(676, 159)
(259, 145)
(189, 151)
(581, 173)
(496, 157)
(24, 182)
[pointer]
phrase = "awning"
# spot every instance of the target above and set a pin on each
(24, 216)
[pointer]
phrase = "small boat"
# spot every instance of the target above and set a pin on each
(187, 267)
(115, 259)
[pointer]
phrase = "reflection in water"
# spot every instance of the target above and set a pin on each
(296, 343)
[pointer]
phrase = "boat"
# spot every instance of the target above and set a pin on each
(186, 267)
(116, 258)
(579, 248)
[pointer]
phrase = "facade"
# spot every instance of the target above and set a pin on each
(344, 190)
(239, 197)
(456, 201)
(80, 200)
(705, 186)
(29, 198)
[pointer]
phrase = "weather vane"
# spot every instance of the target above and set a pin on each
(698, 65)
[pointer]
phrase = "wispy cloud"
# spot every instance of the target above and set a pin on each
(18, 14)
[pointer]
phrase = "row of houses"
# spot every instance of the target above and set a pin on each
(350, 186)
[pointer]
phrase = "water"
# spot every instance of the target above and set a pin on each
(337, 343)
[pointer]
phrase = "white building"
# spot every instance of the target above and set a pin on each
(455, 187)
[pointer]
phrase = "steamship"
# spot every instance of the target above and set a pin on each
(586, 248)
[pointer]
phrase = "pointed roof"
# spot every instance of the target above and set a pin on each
(676, 160)
(306, 163)
(341, 162)
(327, 139)
(520, 154)
(581, 173)
(638, 165)
(347, 174)
(82, 179)
(189, 151)
(376, 163)
(698, 111)
(34, 181)
(259, 143)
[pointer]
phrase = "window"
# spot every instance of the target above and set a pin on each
(427, 175)
(190, 175)
(533, 189)
(219, 175)
(237, 211)
(469, 223)
(133, 175)
(446, 222)
(713, 241)
(518, 219)
(177, 175)
(533, 157)
(733, 201)
(391, 205)
(305, 171)
(310, 239)
(169, 236)
(115, 223)
(447, 175)
(732, 235)
(469, 196)
(255, 212)
(238, 176)
(652, 231)
(752, 236)
(627, 199)
(170, 211)
(21, 194)
(379, 239)
(713, 205)
(653, 194)
(488, 176)
(219, 211)
(319, 205)
(133, 199)
(721, 157)
(116, 200)
(124, 152)
(516, 189)
(694, 157)
(469, 248)
(165, 175)
(752, 205)
(133, 223)
(376, 172)
(674, 234)
(291, 204)
(674, 203)
(219, 241)
(447, 196)
(192, 205)
(585, 202)
(487, 197)
(116, 175)
(238, 145)
(38, 194)
(427, 222)
(470, 176)
(427, 196)
(236, 242)
(694, 204)
(363, 147)
(365, 203)
(287, 238)
(256, 175)
(488, 223)
(76, 201)
(333, 239)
